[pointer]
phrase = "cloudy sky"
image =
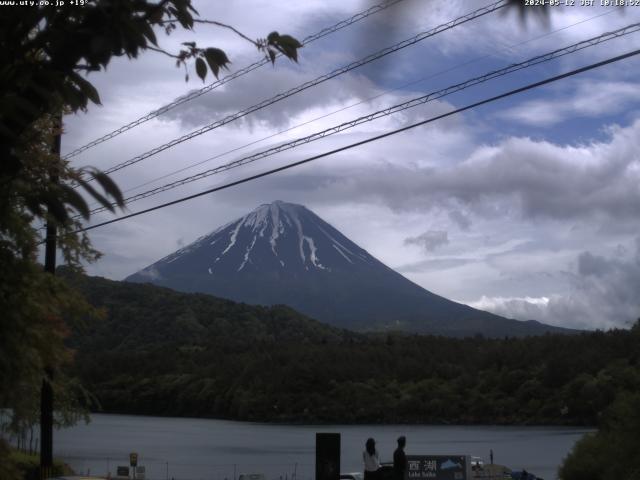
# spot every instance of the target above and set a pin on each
(528, 207)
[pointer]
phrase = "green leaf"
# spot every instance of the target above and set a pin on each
(288, 46)
(201, 68)
(73, 97)
(272, 38)
(216, 59)
(272, 55)
(32, 202)
(94, 193)
(55, 207)
(87, 88)
(73, 198)
(157, 15)
(149, 33)
(289, 41)
(109, 186)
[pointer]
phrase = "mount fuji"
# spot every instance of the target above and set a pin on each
(282, 253)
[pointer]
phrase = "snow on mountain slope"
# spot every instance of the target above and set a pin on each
(282, 253)
(273, 236)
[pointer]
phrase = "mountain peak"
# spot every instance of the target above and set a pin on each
(274, 236)
(283, 253)
(279, 204)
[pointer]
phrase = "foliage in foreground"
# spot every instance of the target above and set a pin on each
(17, 465)
(45, 55)
(613, 452)
(163, 352)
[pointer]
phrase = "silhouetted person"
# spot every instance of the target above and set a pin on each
(371, 460)
(491, 456)
(400, 460)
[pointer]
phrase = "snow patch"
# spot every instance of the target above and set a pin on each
(246, 254)
(276, 227)
(339, 247)
(298, 225)
(341, 253)
(313, 255)
(257, 218)
(234, 235)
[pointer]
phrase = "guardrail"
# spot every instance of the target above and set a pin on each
(158, 469)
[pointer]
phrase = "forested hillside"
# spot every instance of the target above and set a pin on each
(167, 353)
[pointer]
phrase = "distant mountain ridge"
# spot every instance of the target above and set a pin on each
(282, 253)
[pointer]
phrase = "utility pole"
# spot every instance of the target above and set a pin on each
(46, 393)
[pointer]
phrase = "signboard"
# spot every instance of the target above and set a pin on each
(133, 459)
(438, 467)
(123, 471)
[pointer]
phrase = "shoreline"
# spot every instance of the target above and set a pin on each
(294, 423)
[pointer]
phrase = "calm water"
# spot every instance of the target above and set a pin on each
(190, 449)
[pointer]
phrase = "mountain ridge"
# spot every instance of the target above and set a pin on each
(283, 253)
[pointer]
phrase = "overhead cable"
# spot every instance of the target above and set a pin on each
(633, 28)
(359, 102)
(368, 140)
(312, 83)
(226, 79)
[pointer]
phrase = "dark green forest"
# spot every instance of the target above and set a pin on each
(161, 352)
(613, 452)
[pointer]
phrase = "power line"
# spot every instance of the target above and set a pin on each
(243, 71)
(388, 111)
(359, 102)
(312, 83)
(369, 140)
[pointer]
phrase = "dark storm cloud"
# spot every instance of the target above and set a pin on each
(603, 293)
(604, 290)
(251, 90)
(361, 39)
(429, 240)
(593, 265)
(460, 219)
(533, 180)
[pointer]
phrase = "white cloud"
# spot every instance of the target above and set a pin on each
(588, 98)
(521, 308)
(517, 211)
(603, 294)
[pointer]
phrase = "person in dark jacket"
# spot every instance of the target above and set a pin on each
(400, 464)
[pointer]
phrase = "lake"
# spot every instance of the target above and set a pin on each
(195, 449)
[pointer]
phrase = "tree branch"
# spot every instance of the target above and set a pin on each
(160, 50)
(224, 25)
(88, 68)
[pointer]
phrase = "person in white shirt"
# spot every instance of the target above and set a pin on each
(371, 460)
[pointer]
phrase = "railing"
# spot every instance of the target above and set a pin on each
(158, 469)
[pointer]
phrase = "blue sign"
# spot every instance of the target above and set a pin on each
(437, 467)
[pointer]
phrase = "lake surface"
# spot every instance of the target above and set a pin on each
(195, 449)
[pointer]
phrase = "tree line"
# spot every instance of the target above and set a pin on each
(161, 352)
